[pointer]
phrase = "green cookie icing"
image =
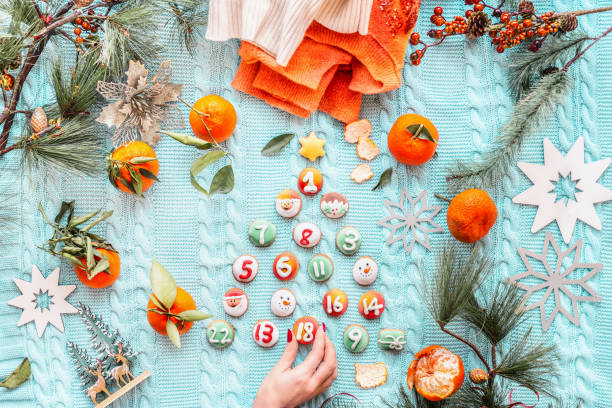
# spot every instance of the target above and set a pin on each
(220, 334)
(348, 240)
(355, 338)
(262, 233)
(320, 268)
(391, 339)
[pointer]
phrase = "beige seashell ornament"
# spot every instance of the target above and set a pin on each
(38, 121)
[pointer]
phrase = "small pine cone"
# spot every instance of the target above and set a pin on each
(38, 121)
(567, 22)
(478, 376)
(477, 24)
(526, 7)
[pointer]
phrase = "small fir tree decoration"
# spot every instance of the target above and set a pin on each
(112, 367)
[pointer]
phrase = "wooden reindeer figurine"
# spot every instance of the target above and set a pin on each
(99, 385)
(121, 372)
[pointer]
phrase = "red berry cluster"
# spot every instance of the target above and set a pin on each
(85, 25)
(517, 29)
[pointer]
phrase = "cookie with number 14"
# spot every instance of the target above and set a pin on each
(371, 304)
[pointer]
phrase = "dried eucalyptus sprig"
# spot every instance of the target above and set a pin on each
(134, 183)
(75, 242)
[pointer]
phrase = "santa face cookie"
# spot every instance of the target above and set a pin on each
(334, 205)
(306, 234)
(285, 266)
(310, 181)
(283, 303)
(355, 338)
(262, 233)
(304, 329)
(371, 304)
(235, 302)
(365, 271)
(265, 333)
(320, 268)
(245, 268)
(288, 203)
(335, 302)
(220, 334)
(348, 240)
(391, 339)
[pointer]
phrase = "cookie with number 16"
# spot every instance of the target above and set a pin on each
(371, 304)
(335, 302)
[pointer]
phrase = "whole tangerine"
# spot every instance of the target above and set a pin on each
(470, 215)
(104, 278)
(218, 115)
(411, 148)
(183, 302)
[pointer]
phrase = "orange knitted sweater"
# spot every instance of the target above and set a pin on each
(330, 71)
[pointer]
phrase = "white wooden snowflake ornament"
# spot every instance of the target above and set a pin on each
(543, 192)
(42, 315)
(559, 279)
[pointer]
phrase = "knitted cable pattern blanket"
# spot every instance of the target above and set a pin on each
(197, 238)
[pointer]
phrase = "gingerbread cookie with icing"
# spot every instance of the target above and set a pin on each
(306, 234)
(334, 205)
(288, 203)
(235, 302)
(365, 271)
(245, 268)
(283, 303)
(265, 333)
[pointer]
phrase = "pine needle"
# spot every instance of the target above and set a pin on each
(187, 17)
(476, 397)
(453, 283)
(525, 67)
(533, 367)
(74, 148)
(529, 114)
(500, 315)
(412, 399)
(10, 49)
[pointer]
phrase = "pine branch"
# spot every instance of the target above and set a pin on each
(490, 396)
(529, 114)
(187, 17)
(407, 399)
(499, 316)
(532, 367)
(525, 67)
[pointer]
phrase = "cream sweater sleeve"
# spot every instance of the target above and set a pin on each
(278, 26)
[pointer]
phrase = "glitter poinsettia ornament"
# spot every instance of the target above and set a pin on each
(140, 104)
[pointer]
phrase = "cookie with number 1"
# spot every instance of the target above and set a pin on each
(310, 181)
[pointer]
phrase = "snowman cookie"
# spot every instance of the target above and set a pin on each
(306, 234)
(355, 338)
(371, 304)
(288, 203)
(304, 329)
(235, 302)
(285, 266)
(310, 181)
(283, 303)
(245, 268)
(348, 240)
(320, 268)
(262, 233)
(265, 333)
(220, 334)
(334, 205)
(365, 271)
(335, 302)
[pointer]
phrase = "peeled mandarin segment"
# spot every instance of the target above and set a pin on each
(362, 173)
(367, 149)
(356, 130)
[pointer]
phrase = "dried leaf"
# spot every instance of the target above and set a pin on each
(76, 221)
(91, 263)
(193, 315)
(277, 144)
(200, 164)
(148, 174)
(142, 160)
(98, 220)
(173, 333)
(385, 178)
(223, 181)
(103, 265)
(17, 377)
(136, 180)
(163, 285)
(189, 140)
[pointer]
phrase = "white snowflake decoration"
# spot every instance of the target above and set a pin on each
(557, 280)
(587, 190)
(57, 293)
(417, 220)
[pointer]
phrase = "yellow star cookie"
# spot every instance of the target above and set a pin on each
(312, 147)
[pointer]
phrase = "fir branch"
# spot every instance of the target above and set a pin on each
(74, 148)
(10, 50)
(493, 395)
(187, 17)
(24, 16)
(525, 67)
(78, 94)
(500, 315)
(529, 114)
(407, 399)
(532, 367)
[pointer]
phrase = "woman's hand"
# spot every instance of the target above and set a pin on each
(286, 387)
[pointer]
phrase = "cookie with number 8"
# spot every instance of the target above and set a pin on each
(304, 329)
(310, 181)
(245, 268)
(220, 334)
(335, 302)
(355, 338)
(265, 333)
(262, 233)
(285, 266)
(348, 240)
(306, 234)
(371, 304)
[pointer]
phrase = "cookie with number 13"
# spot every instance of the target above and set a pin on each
(335, 302)
(304, 329)
(310, 181)
(371, 304)
(265, 333)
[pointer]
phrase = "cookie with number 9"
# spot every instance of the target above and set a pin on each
(355, 338)
(310, 181)
(304, 329)
(335, 302)
(265, 333)
(285, 266)
(371, 304)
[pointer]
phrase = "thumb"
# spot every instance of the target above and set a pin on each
(288, 356)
